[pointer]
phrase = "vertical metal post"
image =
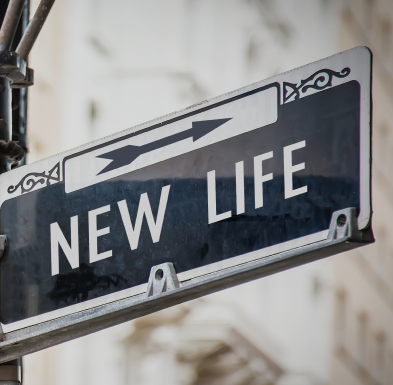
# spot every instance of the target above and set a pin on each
(10, 151)
(19, 95)
(5, 110)
(11, 372)
(18, 35)
(5, 122)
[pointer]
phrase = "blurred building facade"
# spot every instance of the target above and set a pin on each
(104, 66)
(363, 279)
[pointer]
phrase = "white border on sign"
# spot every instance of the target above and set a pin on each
(213, 267)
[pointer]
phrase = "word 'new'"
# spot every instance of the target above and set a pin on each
(133, 232)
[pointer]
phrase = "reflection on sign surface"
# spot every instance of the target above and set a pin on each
(264, 187)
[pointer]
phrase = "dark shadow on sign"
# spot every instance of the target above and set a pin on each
(74, 287)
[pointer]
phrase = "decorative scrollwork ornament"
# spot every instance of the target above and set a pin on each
(319, 81)
(29, 181)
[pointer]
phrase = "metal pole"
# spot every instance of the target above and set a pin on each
(10, 23)
(13, 111)
(11, 153)
(5, 110)
(12, 105)
(19, 95)
(34, 28)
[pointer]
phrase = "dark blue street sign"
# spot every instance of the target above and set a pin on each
(242, 177)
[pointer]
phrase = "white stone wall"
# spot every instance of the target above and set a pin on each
(103, 66)
(364, 276)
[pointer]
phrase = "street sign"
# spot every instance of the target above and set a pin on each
(253, 182)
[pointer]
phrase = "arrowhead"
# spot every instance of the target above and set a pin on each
(127, 154)
(120, 157)
(203, 127)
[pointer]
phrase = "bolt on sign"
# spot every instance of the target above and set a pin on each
(264, 178)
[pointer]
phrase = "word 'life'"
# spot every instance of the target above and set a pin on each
(259, 179)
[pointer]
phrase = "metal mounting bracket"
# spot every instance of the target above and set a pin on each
(162, 279)
(344, 224)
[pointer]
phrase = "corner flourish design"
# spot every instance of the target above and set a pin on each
(321, 80)
(29, 181)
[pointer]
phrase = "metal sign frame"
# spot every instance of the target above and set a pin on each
(343, 235)
(348, 229)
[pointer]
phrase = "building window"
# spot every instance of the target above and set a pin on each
(361, 341)
(368, 13)
(389, 367)
(382, 145)
(385, 39)
(390, 270)
(379, 359)
(380, 258)
(341, 321)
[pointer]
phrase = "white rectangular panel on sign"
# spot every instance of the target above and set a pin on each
(245, 114)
